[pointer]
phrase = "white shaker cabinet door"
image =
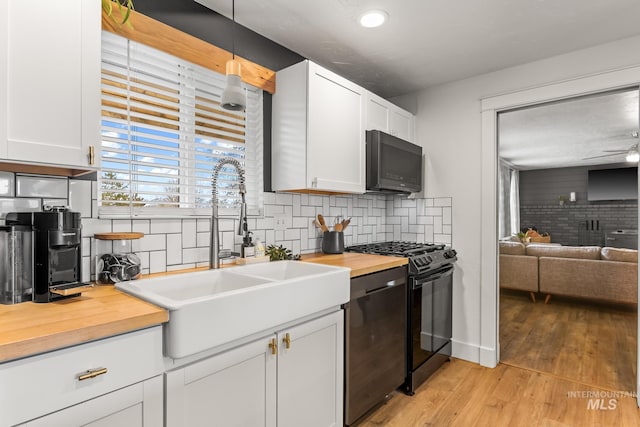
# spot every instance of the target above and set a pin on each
(402, 124)
(310, 373)
(377, 113)
(52, 54)
(336, 146)
(234, 388)
(139, 405)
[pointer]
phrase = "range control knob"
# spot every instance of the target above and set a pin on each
(450, 254)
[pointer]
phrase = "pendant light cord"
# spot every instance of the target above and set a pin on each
(233, 29)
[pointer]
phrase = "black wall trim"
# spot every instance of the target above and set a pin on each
(207, 25)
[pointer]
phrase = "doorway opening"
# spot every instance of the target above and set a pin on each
(567, 262)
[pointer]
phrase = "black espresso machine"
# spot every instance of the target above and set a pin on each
(57, 252)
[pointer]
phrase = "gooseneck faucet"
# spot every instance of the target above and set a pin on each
(214, 246)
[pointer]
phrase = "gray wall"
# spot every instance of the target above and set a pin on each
(579, 223)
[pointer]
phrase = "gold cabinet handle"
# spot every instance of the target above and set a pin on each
(92, 155)
(273, 345)
(287, 340)
(92, 373)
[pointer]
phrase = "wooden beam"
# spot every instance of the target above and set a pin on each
(150, 32)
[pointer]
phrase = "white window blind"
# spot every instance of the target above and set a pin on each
(163, 131)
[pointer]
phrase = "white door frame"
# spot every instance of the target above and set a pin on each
(489, 292)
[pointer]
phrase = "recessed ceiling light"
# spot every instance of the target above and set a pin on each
(373, 18)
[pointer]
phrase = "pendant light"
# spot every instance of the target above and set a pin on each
(233, 97)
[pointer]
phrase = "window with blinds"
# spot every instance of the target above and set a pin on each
(163, 131)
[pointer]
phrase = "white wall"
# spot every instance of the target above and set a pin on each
(449, 127)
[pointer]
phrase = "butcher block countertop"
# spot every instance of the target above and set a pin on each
(360, 264)
(29, 328)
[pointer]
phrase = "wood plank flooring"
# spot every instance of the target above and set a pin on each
(583, 341)
(465, 394)
(596, 364)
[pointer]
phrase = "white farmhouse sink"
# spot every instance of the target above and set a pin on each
(214, 307)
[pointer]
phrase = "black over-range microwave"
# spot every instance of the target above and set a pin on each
(393, 164)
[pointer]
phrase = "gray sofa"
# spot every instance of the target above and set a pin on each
(603, 274)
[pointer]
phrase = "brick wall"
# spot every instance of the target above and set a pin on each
(579, 224)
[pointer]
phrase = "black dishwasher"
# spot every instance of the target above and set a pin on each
(375, 340)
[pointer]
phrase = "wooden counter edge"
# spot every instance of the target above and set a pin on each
(149, 316)
(360, 264)
(44, 344)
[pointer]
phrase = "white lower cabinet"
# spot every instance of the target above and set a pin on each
(139, 405)
(293, 377)
(109, 382)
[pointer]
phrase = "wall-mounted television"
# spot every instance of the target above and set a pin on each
(613, 184)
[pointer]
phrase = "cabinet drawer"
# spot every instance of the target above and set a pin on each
(42, 384)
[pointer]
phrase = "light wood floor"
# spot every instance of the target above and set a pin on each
(465, 394)
(598, 357)
(587, 342)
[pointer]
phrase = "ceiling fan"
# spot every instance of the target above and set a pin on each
(631, 154)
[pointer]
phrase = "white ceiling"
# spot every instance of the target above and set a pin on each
(567, 133)
(429, 42)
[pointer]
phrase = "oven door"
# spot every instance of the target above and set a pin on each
(430, 300)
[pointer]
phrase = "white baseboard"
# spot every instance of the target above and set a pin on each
(474, 353)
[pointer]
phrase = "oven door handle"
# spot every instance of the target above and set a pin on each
(420, 281)
(389, 284)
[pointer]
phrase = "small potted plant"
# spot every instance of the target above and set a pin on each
(561, 200)
(279, 253)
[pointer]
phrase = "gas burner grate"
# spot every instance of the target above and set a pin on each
(396, 248)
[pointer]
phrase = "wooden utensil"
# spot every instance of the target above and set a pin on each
(317, 224)
(337, 227)
(345, 223)
(323, 226)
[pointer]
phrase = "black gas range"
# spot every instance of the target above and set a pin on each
(423, 257)
(429, 304)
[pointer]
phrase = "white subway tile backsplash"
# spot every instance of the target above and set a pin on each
(165, 226)
(203, 224)
(150, 242)
(174, 244)
(40, 186)
(189, 233)
(446, 215)
(157, 262)
(7, 184)
(442, 201)
(92, 226)
(433, 212)
(15, 205)
(80, 197)
(121, 225)
(141, 226)
(174, 249)
(442, 238)
(86, 269)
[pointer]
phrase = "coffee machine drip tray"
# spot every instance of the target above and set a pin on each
(69, 289)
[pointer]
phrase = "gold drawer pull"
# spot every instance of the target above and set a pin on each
(92, 155)
(287, 340)
(273, 345)
(92, 374)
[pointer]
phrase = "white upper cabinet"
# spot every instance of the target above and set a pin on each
(388, 117)
(50, 86)
(318, 133)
